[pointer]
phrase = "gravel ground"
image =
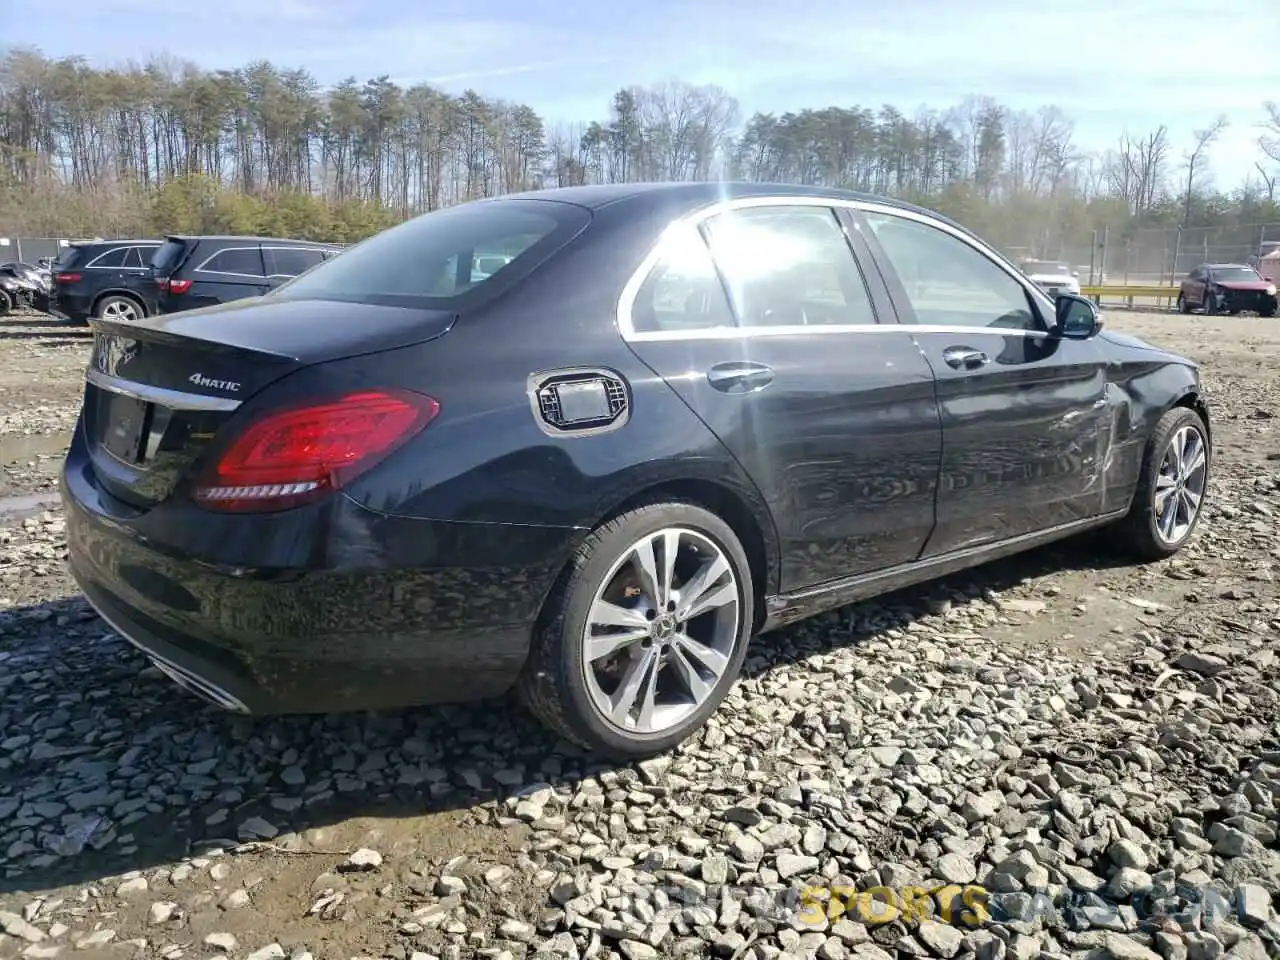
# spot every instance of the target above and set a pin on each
(1096, 746)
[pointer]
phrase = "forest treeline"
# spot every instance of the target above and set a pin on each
(165, 146)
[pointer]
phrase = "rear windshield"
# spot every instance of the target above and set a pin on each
(167, 257)
(68, 257)
(448, 259)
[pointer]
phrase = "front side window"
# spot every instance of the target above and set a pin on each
(683, 290)
(430, 262)
(789, 266)
(949, 282)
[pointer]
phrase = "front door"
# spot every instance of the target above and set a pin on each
(762, 321)
(1025, 419)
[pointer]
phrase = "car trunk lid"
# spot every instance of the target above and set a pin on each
(159, 389)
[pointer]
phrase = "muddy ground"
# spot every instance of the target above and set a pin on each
(1059, 724)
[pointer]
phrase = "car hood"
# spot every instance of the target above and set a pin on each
(1137, 343)
(1245, 285)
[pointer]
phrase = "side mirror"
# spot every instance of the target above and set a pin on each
(1076, 317)
(1076, 274)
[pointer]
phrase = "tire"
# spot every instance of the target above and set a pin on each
(565, 692)
(1183, 306)
(1268, 311)
(1141, 530)
(6, 303)
(116, 307)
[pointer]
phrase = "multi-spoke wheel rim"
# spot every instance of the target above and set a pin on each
(1180, 485)
(120, 310)
(661, 631)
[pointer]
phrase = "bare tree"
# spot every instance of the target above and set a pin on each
(1197, 159)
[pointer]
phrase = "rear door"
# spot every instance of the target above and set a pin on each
(1025, 421)
(763, 322)
(1196, 284)
(283, 263)
(230, 272)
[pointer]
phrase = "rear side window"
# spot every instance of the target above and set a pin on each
(291, 261)
(435, 261)
(168, 256)
(112, 258)
(683, 290)
(241, 261)
(138, 257)
(789, 266)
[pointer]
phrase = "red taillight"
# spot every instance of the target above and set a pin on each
(174, 286)
(296, 455)
(67, 278)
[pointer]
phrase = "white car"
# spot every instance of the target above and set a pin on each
(1053, 276)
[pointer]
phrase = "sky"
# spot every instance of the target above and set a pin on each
(1111, 65)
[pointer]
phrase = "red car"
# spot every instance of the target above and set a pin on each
(1227, 288)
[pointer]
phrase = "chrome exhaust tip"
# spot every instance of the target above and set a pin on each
(198, 685)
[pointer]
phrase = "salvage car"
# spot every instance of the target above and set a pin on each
(679, 416)
(1227, 288)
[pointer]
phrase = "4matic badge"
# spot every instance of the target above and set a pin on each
(200, 380)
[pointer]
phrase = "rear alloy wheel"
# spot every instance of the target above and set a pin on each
(119, 308)
(1173, 485)
(645, 633)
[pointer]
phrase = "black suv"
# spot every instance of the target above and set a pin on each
(191, 272)
(105, 278)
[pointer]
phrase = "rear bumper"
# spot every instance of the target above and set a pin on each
(72, 305)
(371, 613)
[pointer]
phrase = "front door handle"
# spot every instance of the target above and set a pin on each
(964, 358)
(740, 377)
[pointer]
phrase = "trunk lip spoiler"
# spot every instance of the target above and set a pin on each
(174, 399)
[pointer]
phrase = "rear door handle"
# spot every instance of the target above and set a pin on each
(735, 376)
(964, 358)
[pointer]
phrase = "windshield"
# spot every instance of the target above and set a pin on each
(1238, 274)
(448, 259)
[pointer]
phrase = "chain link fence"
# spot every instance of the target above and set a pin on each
(1153, 255)
(1141, 256)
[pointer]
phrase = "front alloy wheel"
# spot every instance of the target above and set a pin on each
(1180, 484)
(645, 631)
(1172, 487)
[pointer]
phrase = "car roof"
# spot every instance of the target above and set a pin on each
(694, 193)
(1219, 266)
(245, 239)
(112, 243)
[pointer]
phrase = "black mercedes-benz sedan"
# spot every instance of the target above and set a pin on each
(670, 417)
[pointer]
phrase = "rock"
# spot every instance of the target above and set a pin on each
(362, 860)
(943, 940)
(1253, 903)
(16, 926)
(161, 911)
(221, 941)
(272, 951)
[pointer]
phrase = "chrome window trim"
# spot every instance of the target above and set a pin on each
(626, 301)
(173, 399)
(92, 264)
